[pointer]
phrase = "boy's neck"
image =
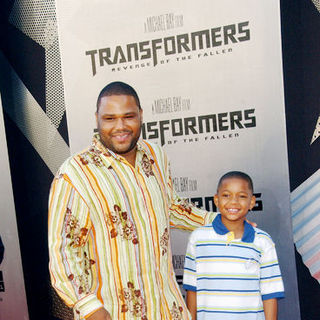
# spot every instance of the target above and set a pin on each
(237, 227)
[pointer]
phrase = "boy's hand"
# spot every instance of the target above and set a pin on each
(101, 314)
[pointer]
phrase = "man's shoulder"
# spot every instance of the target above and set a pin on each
(150, 145)
(73, 160)
(153, 149)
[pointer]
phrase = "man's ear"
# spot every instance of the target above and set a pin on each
(96, 114)
(141, 115)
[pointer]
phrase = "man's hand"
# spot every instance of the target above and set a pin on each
(252, 223)
(101, 314)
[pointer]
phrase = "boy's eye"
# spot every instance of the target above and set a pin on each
(243, 196)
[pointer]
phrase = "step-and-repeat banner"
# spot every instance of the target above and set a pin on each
(209, 76)
(13, 304)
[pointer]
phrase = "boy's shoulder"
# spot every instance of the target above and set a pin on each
(262, 236)
(202, 231)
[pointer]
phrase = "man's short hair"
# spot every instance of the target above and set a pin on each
(236, 174)
(118, 88)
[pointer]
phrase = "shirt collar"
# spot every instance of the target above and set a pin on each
(220, 228)
(141, 147)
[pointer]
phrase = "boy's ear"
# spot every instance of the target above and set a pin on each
(252, 202)
(216, 200)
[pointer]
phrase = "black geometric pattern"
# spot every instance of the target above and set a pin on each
(301, 63)
(31, 80)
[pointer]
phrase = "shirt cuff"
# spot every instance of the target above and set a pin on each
(189, 287)
(275, 295)
(86, 306)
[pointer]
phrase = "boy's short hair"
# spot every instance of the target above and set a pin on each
(118, 88)
(236, 174)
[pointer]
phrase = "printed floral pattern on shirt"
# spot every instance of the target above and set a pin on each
(176, 312)
(164, 241)
(146, 165)
(185, 205)
(74, 232)
(122, 225)
(133, 302)
(76, 239)
(93, 155)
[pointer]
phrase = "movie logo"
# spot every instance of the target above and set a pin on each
(160, 50)
(227, 124)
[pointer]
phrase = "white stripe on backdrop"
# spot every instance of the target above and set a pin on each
(306, 222)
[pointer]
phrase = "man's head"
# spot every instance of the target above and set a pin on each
(119, 119)
(118, 88)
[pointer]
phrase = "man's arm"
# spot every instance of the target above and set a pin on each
(183, 214)
(270, 307)
(192, 303)
(69, 238)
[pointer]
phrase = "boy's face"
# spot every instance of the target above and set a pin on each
(234, 199)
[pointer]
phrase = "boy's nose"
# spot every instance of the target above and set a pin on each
(234, 199)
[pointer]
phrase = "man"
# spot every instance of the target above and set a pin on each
(110, 210)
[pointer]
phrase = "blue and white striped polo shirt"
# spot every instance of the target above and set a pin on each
(231, 276)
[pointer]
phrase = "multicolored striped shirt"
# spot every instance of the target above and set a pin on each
(109, 237)
(231, 276)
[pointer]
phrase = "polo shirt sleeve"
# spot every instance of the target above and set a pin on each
(190, 271)
(72, 262)
(271, 284)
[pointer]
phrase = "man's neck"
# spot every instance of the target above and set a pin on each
(131, 156)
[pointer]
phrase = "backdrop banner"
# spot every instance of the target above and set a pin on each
(209, 77)
(13, 303)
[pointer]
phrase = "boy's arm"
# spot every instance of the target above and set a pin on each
(192, 303)
(270, 307)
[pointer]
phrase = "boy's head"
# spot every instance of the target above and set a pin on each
(234, 197)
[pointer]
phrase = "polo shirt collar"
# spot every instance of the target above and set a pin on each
(220, 228)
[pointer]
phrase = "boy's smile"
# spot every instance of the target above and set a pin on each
(234, 199)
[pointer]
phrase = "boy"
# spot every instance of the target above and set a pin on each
(231, 268)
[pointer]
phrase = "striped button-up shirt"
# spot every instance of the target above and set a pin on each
(109, 237)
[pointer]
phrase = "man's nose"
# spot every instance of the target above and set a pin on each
(119, 123)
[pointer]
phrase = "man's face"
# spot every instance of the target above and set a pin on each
(119, 121)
